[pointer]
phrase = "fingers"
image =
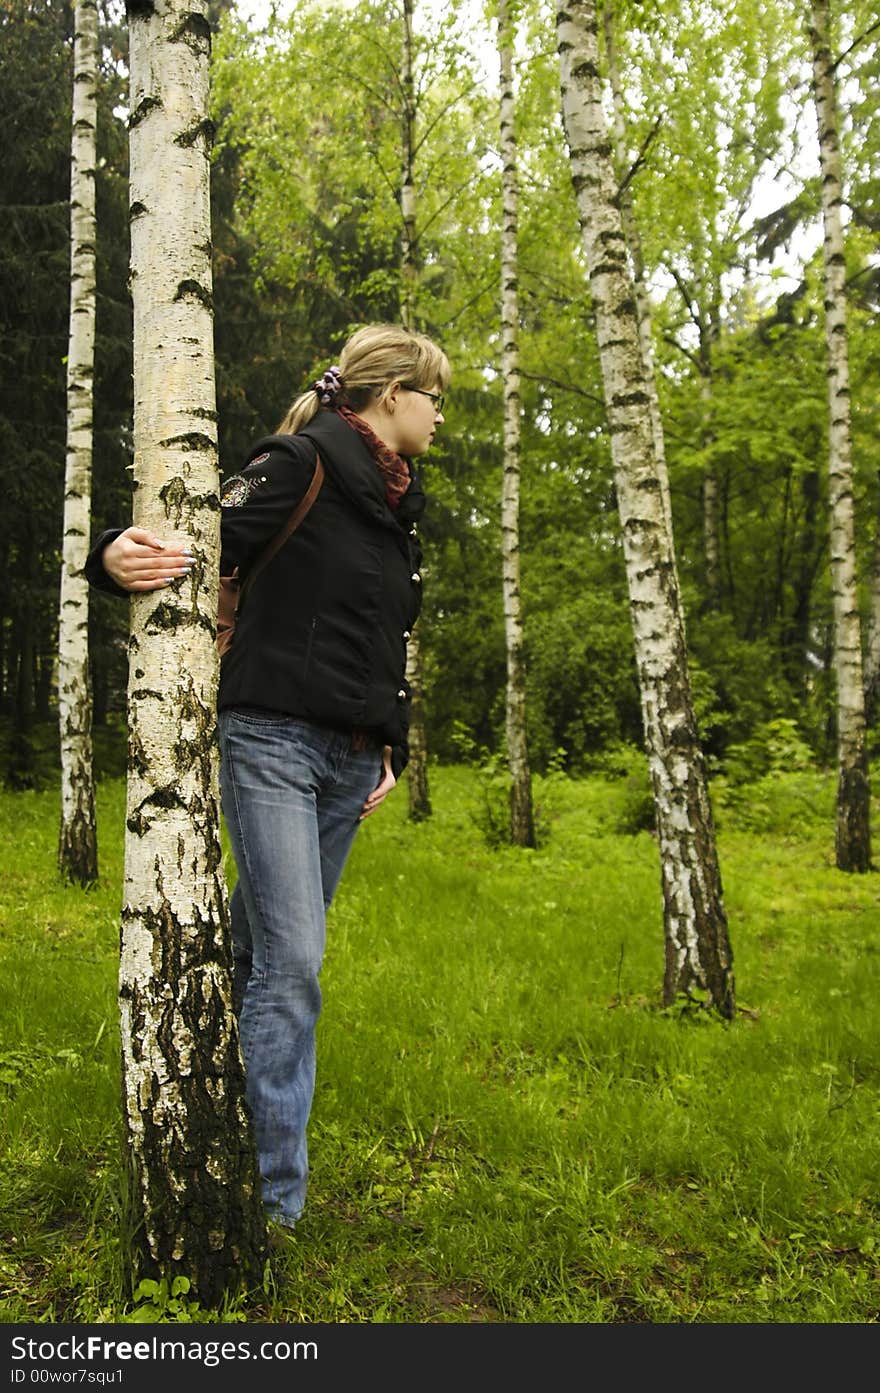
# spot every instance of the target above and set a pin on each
(380, 792)
(138, 560)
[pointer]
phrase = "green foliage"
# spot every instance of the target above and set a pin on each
(490, 810)
(637, 811)
(778, 747)
(161, 1301)
(771, 784)
(307, 226)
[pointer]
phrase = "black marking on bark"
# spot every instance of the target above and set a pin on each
(139, 820)
(142, 111)
(205, 129)
(626, 399)
(194, 31)
(194, 291)
(586, 71)
(191, 440)
(166, 616)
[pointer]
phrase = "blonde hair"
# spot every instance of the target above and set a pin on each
(373, 359)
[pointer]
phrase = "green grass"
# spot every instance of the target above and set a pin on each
(507, 1126)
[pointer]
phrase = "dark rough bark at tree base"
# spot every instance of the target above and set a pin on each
(417, 770)
(195, 1183)
(78, 850)
(522, 824)
(853, 840)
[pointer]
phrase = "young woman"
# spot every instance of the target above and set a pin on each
(313, 700)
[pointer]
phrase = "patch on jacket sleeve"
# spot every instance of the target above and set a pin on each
(237, 490)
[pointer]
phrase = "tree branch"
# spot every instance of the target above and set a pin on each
(856, 41)
(640, 158)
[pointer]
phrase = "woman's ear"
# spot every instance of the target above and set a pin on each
(390, 397)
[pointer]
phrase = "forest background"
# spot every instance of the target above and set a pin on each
(306, 245)
(307, 233)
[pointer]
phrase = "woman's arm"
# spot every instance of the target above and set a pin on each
(254, 506)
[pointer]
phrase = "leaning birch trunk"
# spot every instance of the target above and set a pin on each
(853, 793)
(698, 953)
(417, 770)
(522, 828)
(196, 1187)
(637, 259)
(78, 838)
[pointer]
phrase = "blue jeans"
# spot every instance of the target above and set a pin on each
(292, 796)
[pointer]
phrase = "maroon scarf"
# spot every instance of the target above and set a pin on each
(393, 467)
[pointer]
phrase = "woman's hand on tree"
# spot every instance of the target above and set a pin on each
(137, 560)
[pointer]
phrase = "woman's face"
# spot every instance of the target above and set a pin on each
(417, 415)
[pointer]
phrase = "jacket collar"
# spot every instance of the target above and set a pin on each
(355, 472)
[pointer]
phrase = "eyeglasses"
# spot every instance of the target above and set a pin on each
(436, 397)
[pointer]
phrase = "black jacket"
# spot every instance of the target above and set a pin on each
(322, 632)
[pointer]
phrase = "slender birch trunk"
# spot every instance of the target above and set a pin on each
(853, 838)
(872, 647)
(197, 1192)
(408, 264)
(698, 952)
(78, 838)
(634, 246)
(417, 769)
(522, 826)
(711, 529)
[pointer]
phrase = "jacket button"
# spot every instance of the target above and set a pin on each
(407, 633)
(416, 577)
(401, 695)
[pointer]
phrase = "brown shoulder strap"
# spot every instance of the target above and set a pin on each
(290, 526)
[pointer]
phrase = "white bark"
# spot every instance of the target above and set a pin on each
(698, 953)
(711, 533)
(418, 788)
(77, 846)
(409, 268)
(872, 644)
(521, 816)
(188, 1130)
(853, 794)
(634, 245)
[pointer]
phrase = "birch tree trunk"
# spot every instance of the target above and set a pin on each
(78, 838)
(853, 839)
(711, 528)
(522, 827)
(408, 265)
(634, 246)
(698, 952)
(417, 770)
(198, 1203)
(872, 647)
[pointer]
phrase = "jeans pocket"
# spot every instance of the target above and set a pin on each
(259, 716)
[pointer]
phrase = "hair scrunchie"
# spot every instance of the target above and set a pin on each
(328, 387)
